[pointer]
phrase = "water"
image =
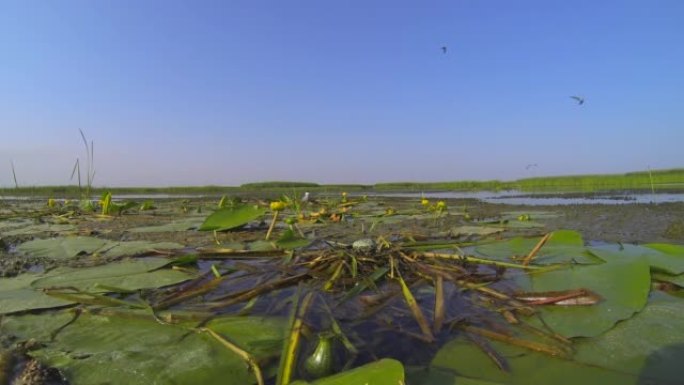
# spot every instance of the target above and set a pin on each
(521, 198)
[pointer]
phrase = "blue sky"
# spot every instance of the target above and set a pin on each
(228, 92)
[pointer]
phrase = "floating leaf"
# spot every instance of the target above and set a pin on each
(128, 275)
(462, 359)
(42, 228)
(70, 247)
(383, 372)
(16, 294)
(648, 349)
(291, 241)
(661, 257)
(562, 246)
(650, 345)
(229, 218)
(674, 279)
(622, 287)
(184, 225)
(62, 248)
(136, 349)
(119, 249)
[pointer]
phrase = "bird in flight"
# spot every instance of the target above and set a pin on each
(444, 49)
(529, 166)
(579, 99)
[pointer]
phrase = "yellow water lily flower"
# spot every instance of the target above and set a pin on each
(277, 206)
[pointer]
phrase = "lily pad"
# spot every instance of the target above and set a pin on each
(383, 372)
(661, 257)
(674, 279)
(118, 249)
(648, 349)
(464, 360)
(42, 228)
(563, 246)
(623, 288)
(230, 218)
(70, 247)
(128, 275)
(184, 225)
(289, 240)
(136, 349)
(16, 294)
(650, 345)
(62, 248)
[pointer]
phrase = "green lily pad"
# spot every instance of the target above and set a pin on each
(661, 257)
(42, 228)
(563, 246)
(136, 349)
(16, 294)
(70, 247)
(230, 218)
(289, 240)
(674, 279)
(647, 349)
(623, 288)
(383, 372)
(260, 245)
(650, 345)
(23, 292)
(62, 248)
(463, 359)
(131, 248)
(128, 275)
(184, 225)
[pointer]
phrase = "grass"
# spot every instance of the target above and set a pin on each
(642, 180)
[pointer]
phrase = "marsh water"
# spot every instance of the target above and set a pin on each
(548, 199)
(263, 283)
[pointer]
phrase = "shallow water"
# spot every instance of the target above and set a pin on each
(521, 198)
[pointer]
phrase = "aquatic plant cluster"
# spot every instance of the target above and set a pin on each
(333, 289)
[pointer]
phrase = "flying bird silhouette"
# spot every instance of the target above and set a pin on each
(529, 166)
(444, 49)
(579, 99)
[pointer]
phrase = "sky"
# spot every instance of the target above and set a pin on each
(357, 91)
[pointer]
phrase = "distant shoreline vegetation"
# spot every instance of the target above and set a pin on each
(670, 179)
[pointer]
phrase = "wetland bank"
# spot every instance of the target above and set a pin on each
(346, 289)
